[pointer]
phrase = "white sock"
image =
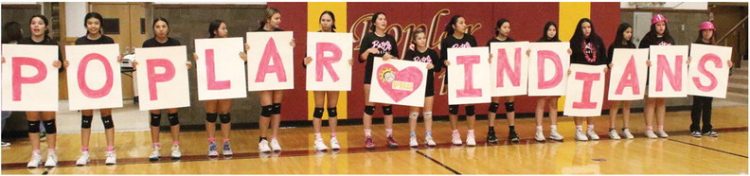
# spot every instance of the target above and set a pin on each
(389, 132)
(553, 127)
(368, 132)
(539, 128)
(318, 136)
(579, 127)
(591, 128)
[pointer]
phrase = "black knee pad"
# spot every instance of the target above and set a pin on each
(453, 109)
(34, 126)
(509, 107)
(332, 112)
(277, 108)
(108, 122)
(469, 110)
(155, 120)
(225, 118)
(211, 117)
(86, 121)
(369, 110)
(493, 107)
(266, 111)
(388, 110)
(50, 126)
(318, 113)
(174, 119)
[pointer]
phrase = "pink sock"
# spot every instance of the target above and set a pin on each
(175, 142)
(156, 145)
(110, 148)
(333, 134)
(211, 139)
(84, 149)
(226, 140)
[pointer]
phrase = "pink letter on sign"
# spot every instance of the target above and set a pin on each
(702, 68)
(469, 90)
(87, 91)
(588, 80)
(154, 77)
(325, 62)
(663, 69)
(213, 84)
(278, 67)
(629, 78)
(504, 67)
(557, 78)
(18, 79)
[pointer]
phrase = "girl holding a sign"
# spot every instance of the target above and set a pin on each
(327, 24)
(502, 34)
(623, 39)
(161, 38)
(702, 105)
(376, 43)
(94, 35)
(456, 37)
(549, 34)
(270, 99)
(218, 109)
(422, 53)
(39, 36)
(588, 48)
(658, 35)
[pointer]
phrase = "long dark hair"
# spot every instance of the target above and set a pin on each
(449, 27)
(500, 24)
(270, 11)
(652, 33)
(165, 22)
(374, 19)
(46, 23)
(544, 32)
(333, 19)
(11, 32)
(619, 38)
(214, 26)
(98, 17)
(579, 36)
(700, 37)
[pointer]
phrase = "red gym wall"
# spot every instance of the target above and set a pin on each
(527, 21)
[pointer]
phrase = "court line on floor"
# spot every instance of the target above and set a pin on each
(295, 153)
(715, 149)
(439, 163)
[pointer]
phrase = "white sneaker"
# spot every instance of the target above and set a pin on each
(539, 137)
(457, 138)
(154, 154)
(592, 134)
(613, 134)
(176, 153)
(335, 144)
(36, 158)
(554, 135)
(263, 146)
(627, 134)
(428, 140)
(413, 142)
(662, 134)
(580, 136)
(111, 158)
(275, 145)
(212, 151)
(51, 160)
(650, 134)
(320, 145)
(227, 149)
(83, 159)
(470, 141)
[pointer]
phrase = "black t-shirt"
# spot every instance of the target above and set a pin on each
(385, 44)
(617, 45)
(46, 41)
(428, 56)
(588, 51)
(494, 39)
(655, 40)
(449, 41)
(152, 42)
(102, 40)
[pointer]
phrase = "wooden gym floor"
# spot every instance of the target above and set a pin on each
(679, 154)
